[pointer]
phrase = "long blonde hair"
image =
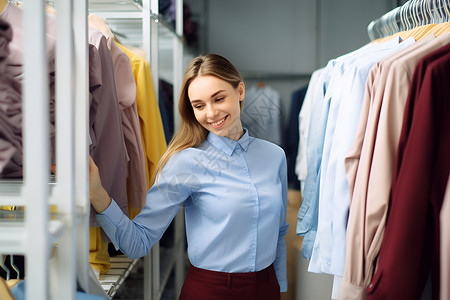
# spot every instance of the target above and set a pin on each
(190, 133)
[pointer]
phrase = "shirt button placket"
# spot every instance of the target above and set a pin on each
(253, 195)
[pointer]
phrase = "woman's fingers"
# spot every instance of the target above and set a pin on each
(99, 197)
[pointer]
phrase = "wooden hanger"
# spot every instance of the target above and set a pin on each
(5, 293)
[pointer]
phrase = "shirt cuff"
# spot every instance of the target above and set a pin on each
(283, 286)
(109, 219)
(351, 292)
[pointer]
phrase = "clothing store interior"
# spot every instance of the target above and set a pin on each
(343, 87)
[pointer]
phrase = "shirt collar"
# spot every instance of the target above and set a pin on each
(228, 145)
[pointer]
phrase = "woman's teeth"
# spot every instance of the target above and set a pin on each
(218, 122)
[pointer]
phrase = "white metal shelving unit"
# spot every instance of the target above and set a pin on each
(141, 26)
(55, 245)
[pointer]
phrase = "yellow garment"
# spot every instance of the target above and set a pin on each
(8, 207)
(5, 293)
(98, 251)
(152, 130)
(133, 212)
(419, 32)
(441, 28)
(423, 31)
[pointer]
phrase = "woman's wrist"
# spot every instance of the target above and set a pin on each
(100, 200)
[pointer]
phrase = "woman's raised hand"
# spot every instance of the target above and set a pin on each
(100, 199)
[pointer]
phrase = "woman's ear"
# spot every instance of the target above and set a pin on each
(241, 90)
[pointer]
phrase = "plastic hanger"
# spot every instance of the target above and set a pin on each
(14, 267)
(423, 25)
(5, 268)
(440, 8)
(447, 10)
(403, 17)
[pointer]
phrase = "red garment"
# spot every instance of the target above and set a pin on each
(410, 247)
(203, 284)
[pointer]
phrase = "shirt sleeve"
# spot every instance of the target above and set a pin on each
(136, 237)
(280, 259)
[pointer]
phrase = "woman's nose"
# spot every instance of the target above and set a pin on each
(211, 111)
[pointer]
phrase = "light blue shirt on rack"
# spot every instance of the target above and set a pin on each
(235, 199)
(328, 254)
(308, 212)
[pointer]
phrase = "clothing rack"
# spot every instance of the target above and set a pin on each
(410, 15)
(55, 243)
(142, 27)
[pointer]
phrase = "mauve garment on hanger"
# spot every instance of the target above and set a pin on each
(14, 67)
(108, 147)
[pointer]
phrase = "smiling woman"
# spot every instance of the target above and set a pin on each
(233, 188)
(216, 105)
(191, 132)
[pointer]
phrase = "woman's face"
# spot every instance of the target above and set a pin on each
(216, 105)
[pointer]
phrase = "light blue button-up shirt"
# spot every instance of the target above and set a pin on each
(235, 199)
(328, 255)
(308, 212)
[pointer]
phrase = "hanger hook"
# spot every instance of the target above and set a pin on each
(416, 13)
(447, 11)
(15, 268)
(5, 268)
(402, 18)
(441, 14)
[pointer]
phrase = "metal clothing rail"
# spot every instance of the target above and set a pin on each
(275, 76)
(410, 15)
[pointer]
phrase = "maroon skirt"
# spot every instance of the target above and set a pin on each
(203, 284)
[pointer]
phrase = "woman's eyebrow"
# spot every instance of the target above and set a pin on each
(216, 93)
(212, 96)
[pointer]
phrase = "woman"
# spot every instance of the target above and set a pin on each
(233, 188)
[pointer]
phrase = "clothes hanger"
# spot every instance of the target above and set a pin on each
(387, 27)
(396, 20)
(15, 268)
(440, 12)
(424, 27)
(408, 22)
(440, 15)
(426, 12)
(447, 10)
(370, 31)
(402, 13)
(5, 268)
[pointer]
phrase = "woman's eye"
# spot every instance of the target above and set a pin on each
(219, 99)
(198, 106)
